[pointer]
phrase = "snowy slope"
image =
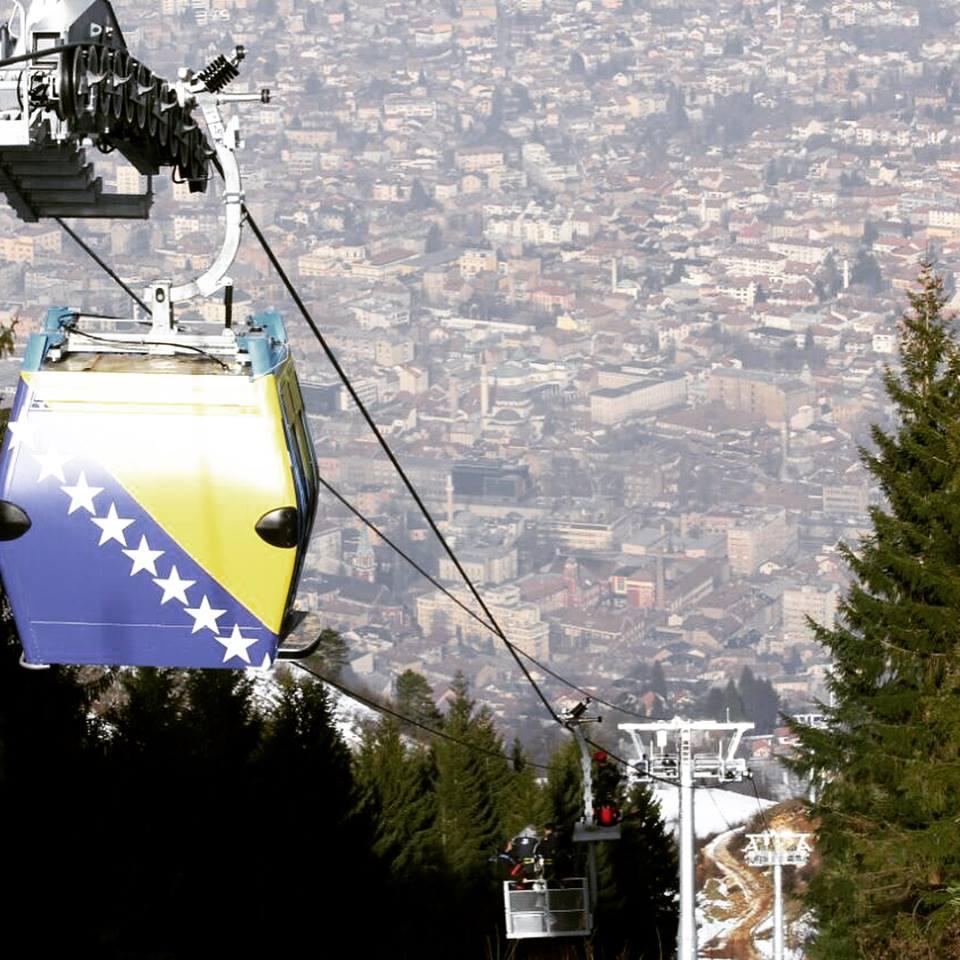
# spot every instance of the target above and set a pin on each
(350, 715)
(715, 810)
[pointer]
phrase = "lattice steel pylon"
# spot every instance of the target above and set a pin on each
(777, 849)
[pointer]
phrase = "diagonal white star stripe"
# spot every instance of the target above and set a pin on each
(112, 527)
(51, 465)
(174, 588)
(81, 494)
(236, 645)
(143, 558)
(21, 431)
(205, 616)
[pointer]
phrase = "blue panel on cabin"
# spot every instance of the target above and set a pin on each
(266, 346)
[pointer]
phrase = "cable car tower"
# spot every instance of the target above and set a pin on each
(563, 907)
(668, 753)
(158, 485)
(777, 849)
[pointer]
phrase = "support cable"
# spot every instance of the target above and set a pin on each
(360, 516)
(403, 554)
(103, 266)
(629, 765)
(716, 805)
(45, 53)
(380, 708)
(626, 711)
(763, 815)
(483, 623)
(305, 313)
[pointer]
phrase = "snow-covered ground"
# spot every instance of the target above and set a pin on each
(763, 940)
(742, 896)
(793, 948)
(350, 716)
(714, 810)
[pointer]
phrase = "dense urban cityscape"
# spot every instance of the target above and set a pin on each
(617, 280)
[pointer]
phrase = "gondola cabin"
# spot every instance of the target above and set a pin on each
(155, 501)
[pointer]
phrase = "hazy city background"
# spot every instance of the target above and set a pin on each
(618, 280)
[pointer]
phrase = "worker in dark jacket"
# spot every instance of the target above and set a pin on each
(524, 848)
(548, 850)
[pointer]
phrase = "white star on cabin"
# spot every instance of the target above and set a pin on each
(174, 586)
(82, 494)
(236, 645)
(205, 616)
(21, 431)
(51, 465)
(143, 558)
(112, 527)
(263, 670)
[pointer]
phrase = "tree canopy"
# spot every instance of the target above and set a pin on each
(887, 762)
(197, 796)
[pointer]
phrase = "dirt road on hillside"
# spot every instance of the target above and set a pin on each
(750, 899)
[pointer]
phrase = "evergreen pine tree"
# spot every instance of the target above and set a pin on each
(415, 700)
(499, 772)
(565, 786)
(433, 240)
(331, 656)
(148, 782)
(51, 791)
(180, 762)
(470, 827)
(310, 834)
(526, 800)
(470, 811)
(761, 704)
(419, 198)
(145, 719)
(563, 801)
(399, 781)
(713, 704)
(640, 871)
(888, 833)
(732, 704)
(220, 723)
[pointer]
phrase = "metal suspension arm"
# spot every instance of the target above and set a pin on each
(225, 139)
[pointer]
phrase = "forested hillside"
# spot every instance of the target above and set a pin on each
(165, 814)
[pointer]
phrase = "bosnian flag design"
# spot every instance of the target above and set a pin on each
(96, 578)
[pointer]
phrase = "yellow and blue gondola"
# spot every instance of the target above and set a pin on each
(155, 509)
